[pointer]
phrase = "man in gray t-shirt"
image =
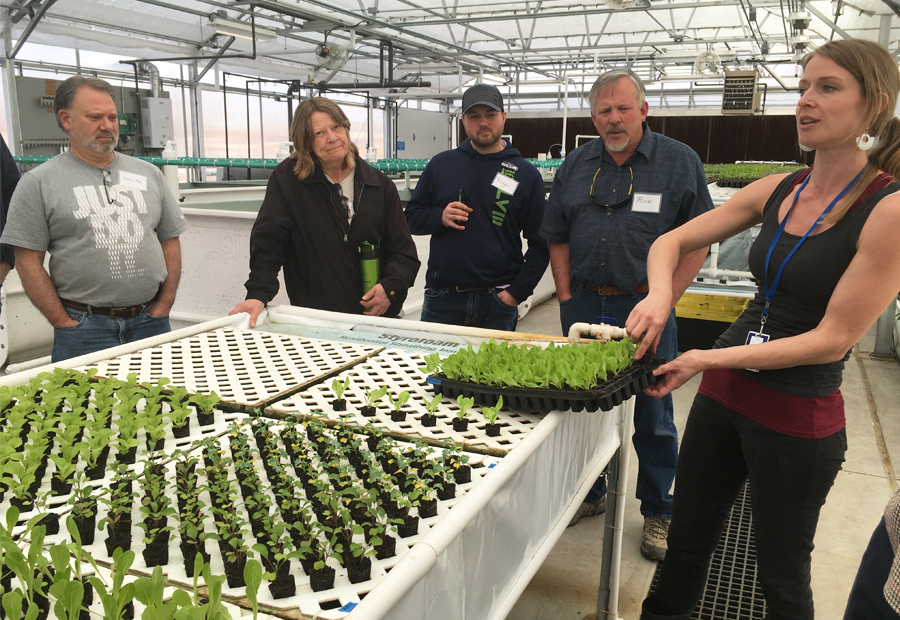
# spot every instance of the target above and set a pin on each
(111, 226)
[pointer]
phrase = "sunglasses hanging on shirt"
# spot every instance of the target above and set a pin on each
(614, 205)
(108, 185)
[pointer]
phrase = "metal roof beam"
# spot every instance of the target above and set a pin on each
(828, 22)
(31, 26)
(611, 46)
(598, 11)
(281, 7)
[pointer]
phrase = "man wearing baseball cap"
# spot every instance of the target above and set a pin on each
(477, 201)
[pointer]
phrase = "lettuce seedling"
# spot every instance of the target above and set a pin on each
(398, 402)
(373, 396)
(490, 413)
(205, 404)
(464, 405)
(339, 388)
(432, 405)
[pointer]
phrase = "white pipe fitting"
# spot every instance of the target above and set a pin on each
(601, 332)
(720, 273)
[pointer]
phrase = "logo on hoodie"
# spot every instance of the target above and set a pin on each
(499, 212)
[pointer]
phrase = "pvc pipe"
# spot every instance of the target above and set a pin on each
(240, 215)
(601, 331)
(721, 293)
(717, 273)
(714, 256)
(424, 553)
(105, 354)
(12, 369)
(343, 320)
(619, 527)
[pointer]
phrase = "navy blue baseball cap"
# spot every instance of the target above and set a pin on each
(483, 94)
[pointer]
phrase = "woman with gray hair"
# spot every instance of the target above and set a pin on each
(321, 205)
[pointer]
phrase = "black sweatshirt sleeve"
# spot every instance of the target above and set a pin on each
(538, 255)
(9, 178)
(401, 261)
(268, 243)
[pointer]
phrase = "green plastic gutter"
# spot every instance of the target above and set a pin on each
(385, 165)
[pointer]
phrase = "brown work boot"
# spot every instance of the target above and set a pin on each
(588, 509)
(653, 542)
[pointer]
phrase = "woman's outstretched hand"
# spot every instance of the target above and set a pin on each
(648, 319)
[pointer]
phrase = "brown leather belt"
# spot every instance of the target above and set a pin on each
(612, 290)
(115, 313)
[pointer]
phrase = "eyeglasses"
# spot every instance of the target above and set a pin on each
(345, 201)
(616, 205)
(108, 185)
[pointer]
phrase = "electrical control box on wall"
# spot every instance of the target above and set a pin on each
(157, 126)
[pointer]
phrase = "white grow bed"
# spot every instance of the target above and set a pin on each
(476, 559)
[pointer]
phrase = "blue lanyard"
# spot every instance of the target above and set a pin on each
(770, 290)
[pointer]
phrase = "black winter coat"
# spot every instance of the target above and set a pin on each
(299, 228)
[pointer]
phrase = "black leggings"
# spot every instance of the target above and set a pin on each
(789, 479)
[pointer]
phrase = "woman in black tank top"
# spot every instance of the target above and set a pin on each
(769, 408)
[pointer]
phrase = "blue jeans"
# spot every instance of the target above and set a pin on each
(655, 437)
(481, 308)
(96, 332)
(789, 480)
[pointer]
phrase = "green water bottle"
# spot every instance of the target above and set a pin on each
(369, 266)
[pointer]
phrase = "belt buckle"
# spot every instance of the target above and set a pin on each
(121, 313)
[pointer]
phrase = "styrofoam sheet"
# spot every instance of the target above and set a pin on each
(244, 367)
(401, 371)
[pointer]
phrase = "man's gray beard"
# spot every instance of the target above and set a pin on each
(91, 143)
(617, 148)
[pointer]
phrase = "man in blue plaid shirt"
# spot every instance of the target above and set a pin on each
(610, 200)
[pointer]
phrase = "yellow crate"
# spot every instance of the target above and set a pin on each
(710, 307)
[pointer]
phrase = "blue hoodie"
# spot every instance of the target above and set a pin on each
(488, 253)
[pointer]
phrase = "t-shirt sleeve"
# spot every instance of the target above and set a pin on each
(171, 221)
(26, 223)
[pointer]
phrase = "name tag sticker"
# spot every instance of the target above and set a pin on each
(505, 184)
(136, 181)
(646, 203)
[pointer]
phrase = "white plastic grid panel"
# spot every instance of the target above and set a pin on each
(400, 371)
(325, 604)
(244, 367)
(58, 504)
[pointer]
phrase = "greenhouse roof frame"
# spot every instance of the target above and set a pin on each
(520, 44)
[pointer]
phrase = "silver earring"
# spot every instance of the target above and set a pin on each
(865, 141)
(806, 149)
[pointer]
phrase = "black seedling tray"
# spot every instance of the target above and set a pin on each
(605, 397)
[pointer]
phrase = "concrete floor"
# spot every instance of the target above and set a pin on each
(565, 587)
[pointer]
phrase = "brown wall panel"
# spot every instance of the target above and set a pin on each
(716, 139)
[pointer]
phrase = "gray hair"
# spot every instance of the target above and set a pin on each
(611, 77)
(65, 92)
